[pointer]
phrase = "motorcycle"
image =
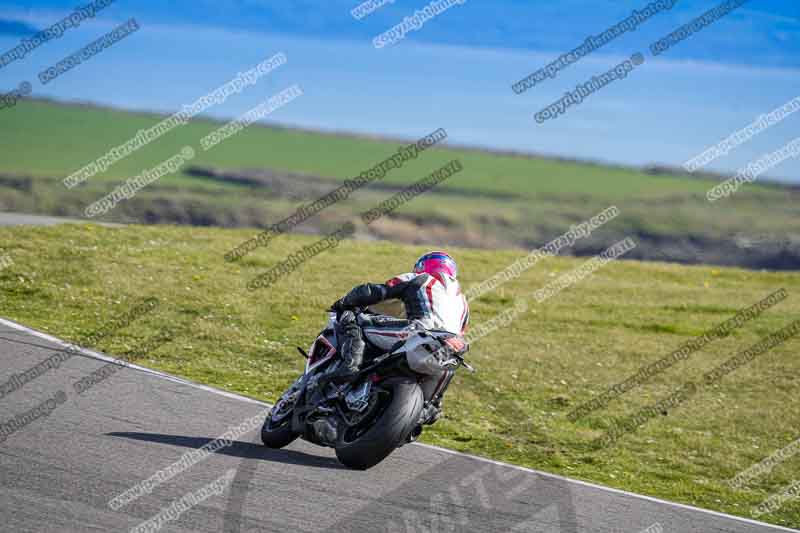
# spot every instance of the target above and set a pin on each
(377, 411)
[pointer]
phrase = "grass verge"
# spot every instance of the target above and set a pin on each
(67, 280)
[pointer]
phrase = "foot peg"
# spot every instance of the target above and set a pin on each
(415, 433)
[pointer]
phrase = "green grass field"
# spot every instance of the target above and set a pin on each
(47, 139)
(669, 213)
(68, 280)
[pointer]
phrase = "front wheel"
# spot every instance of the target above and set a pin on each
(397, 416)
(277, 429)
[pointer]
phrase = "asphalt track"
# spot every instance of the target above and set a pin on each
(23, 219)
(19, 219)
(59, 472)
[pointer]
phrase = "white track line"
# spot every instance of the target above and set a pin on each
(103, 357)
(168, 377)
(610, 489)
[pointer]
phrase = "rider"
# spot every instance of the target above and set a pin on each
(433, 300)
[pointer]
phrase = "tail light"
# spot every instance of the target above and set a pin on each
(455, 343)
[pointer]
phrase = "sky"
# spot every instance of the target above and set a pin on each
(454, 72)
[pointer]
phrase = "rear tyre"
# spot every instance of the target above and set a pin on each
(393, 426)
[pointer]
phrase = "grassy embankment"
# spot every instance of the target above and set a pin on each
(68, 280)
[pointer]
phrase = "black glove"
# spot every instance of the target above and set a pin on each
(338, 307)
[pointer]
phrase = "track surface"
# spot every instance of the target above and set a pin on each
(18, 219)
(22, 219)
(59, 472)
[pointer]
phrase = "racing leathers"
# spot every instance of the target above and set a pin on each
(432, 301)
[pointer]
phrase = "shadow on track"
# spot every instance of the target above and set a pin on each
(245, 450)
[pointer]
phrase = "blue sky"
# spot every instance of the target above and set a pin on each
(455, 72)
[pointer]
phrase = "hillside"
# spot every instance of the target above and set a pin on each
(262, 174)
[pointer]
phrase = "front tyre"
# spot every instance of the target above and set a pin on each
(394, 424)
(277, 429)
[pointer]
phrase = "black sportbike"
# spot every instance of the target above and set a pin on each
(380, 409)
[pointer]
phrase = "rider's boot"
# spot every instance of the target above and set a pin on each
(351, 345)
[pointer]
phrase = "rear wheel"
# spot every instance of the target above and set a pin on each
(395, 416)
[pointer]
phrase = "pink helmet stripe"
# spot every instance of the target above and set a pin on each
(436, 262)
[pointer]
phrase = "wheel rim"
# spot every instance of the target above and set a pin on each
(278, 416)
(379, 402)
